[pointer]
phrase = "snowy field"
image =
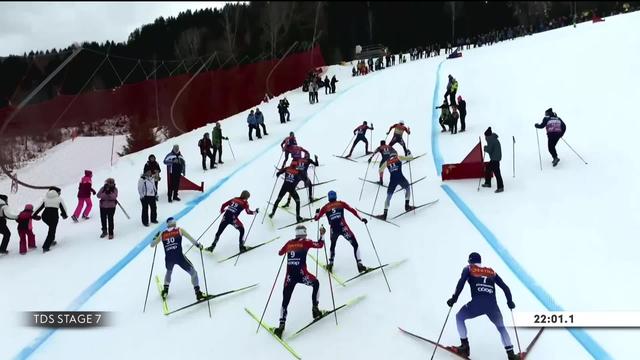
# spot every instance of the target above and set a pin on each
(560, 237)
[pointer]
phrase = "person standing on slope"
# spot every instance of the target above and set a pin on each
(260, 121)
(452, 88)
(462, 107)
(285, 144)
(108, 196)
(494, 149)
(5, 213)
(232, 210)
(216, 139)
(51, 204)
(175, 168)
(482, 281)
(25, 229)
(555, 130)
(361, 132)
(171, 239)
(394, 165)
(153, 166)
(291, 180)
(205, 147)
(297, 273)
(84, 197)
(385, 152)
(148, 195)
(398, 131)
(334, 210)
(302, 165)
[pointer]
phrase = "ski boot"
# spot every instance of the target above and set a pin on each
(463, 349)
(512, 356)
(407, 206)
(383, 216)
(279, 330)
(286, 205)
(213, 246)
(486, 184)
(316, 312)
(499, 190)
(103, 235)
(330, 267)
(362, 268)
(379, 182)
(299, 218)
(165, 292)
(75, 219)
(408, 153)
(243, 248)
(555, 162)
(200, 296)
(271, 215)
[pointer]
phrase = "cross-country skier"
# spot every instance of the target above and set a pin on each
(232, 209)
(172, 241)
(555, 130)
(338, 224)
(385, 152)
(398, 131)
(291, 180)
(285, 144)
(482, 281)
(361, 131)
(394, 165)
(296, 251)
(302, 165)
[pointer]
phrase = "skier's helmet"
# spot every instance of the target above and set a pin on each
(291, 133)
(332, 195)
(474, 258)
(245, 194)
(171, 222)
(301, 231)
(364, 123)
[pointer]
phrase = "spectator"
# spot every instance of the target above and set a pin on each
(153, 165)
(354, 72)
(494, 150)
(327, 85)
(260, 121)
(51, 204)
(286, 104)
(462, 106)
(216, 136)
(148, 194)
(453, 126)
(253, 124)
(205, 146)
(452, 88)
(444, 115)
(5, 213)
(313, 92)
(175, 169)
(281, 111)
(84, 196)
(108, 196)
(333, 84)
(25, 229)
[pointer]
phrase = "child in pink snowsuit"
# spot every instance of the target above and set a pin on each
(84, 196)
(25, 229)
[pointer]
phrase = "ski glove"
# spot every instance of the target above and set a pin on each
(511, 305)
(36, 217)
(257, 211)
(451, 301)
(364, 221)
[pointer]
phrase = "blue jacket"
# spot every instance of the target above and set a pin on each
(251, 119)
(259, 117)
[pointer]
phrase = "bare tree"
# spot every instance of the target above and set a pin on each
(188, 43)
(277, 20)
(231, 28)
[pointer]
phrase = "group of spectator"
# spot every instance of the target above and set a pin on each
(452, 111)
(212, 146)
(255, 121)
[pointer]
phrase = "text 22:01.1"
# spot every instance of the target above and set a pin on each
(553, 319)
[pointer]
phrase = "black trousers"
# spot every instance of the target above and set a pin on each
(257, 129)
(462, 124)
(106, 219)
(552, 142)
(357, 140)
(50, 217)
(212, 160)
(264, 128)
(282, 119)
(174, 185)
(236, 223)
(493, 167)
(6, 234)
(286, 111)
(149, 202)
(217, 149)
(291, 190)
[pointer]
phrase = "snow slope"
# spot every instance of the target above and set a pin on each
(533, 234)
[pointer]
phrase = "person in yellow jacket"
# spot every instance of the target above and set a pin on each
(452, 88)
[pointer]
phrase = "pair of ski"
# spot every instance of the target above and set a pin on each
(317, 184)
(165, 306)
(325, 313)
(386, 186)
(249, 248)
(397, 216)
(405, 162)
(369, 270)
(450, 350)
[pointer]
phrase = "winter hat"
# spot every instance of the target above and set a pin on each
(474, 258)
(152, 156)
(28, 207)
(206, 135)
(488, 132)
(301, 231)
(549, 112)
(176, 147)
(171, 222)
(88, 173)
(110, 181)
(332, 195)
(291, 133)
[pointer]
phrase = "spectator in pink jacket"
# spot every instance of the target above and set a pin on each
(108, 196)
(25, 229)
(84, 197)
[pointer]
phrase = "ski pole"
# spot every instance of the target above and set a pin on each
(271, 293)
(539, 155)
(363, 180)
(441, 331)
(278, 162)
(246, 236)
(206, 288)
(413, 197)
(516, 331)
(204, 232)
(350, 141)
(230, 148)
(155, 249)
(376, 199)
(514, 156)
(269, 201)
(484, 170)
(121, 208)
(333, 300)
(378, 257)
(317, 250)
(575, 152)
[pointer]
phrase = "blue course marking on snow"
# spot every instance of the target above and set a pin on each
(583, 338)
(79, 301)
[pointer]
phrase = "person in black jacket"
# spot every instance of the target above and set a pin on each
(153, 166)
(281, 111)
(285, 102)
(333, 84)
(51, 204)
(462, 108)
(5, 214)
(205, 146)
(494, 149)
(555, 130)
(327, 85)
(176, 168)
